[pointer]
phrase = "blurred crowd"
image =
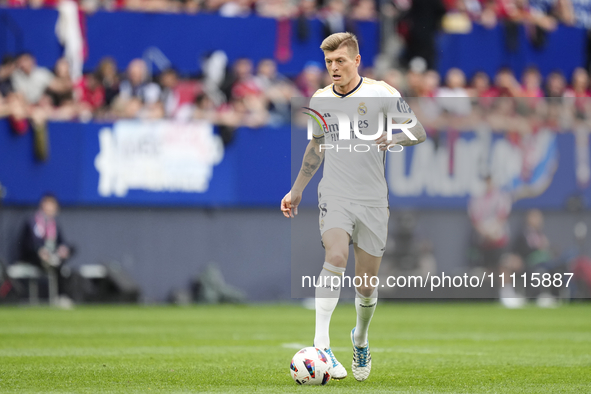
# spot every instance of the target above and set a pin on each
(238, 94)
(254, 95)
(337, 13)
(506, 103)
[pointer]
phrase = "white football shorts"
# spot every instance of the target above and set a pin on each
(367, 226)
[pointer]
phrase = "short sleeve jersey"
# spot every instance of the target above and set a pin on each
(354, 169)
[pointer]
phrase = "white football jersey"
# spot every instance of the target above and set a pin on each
(354, 169)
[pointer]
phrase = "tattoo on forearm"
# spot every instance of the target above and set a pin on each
(311, 163)
(418, 131)
(312, 158)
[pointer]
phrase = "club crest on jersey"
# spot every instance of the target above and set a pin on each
(362, 109)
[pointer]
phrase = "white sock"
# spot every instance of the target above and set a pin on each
(365, 307)
(326, 301)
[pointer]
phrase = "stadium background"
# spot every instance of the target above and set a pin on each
(186, 165)
(230, 216)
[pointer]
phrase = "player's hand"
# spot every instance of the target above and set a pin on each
(383, 141)
(289, 204)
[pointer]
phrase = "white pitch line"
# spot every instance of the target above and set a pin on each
(296, 346)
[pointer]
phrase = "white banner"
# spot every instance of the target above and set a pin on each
(159, 156)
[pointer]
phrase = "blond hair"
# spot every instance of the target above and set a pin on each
(338, 40)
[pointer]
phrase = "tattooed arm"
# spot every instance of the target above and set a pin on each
(402, 139)
(417, 130)
(312, 160)
(310, 164)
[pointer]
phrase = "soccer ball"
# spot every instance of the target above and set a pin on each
(310, 366)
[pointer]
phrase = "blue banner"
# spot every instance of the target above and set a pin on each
(135, 163)
(24, 30)
(443, 172)
(155, 167)
(487, 50)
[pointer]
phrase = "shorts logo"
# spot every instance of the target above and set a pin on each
(362, 109)
(321, 224)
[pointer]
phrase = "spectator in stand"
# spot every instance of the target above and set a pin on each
(480, 86)
(92, 97)
(579, 84)
(277, 89)
(455, 84)
(212, 5)
(430, 84)
(278, 9)
(505, 84)
(236, 8)
(109, 79)
(30, 79)
(414, 81)
(310, 79)
(489, 212)
(191, 6)
(267, 76)
(14, 104)
(364, 10)
(488, 15)
(564, 10)
(204, 109)
(169, 95)
(519, 12)
(555, 84)
(334, 17)
(578, 102)
(138, 97)
(425, 21)
(460, 14)
(247, 111)
(306, 13)
(453, 97)
(7, 67)
(531, 83)
(61, 87)
(18, 111)
(243, 82)
(428, 109)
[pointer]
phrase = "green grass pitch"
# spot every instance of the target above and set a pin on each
(416, 348)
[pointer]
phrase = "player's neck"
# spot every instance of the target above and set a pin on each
(348, 87)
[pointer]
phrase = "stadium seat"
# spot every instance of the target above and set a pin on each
(29, 273)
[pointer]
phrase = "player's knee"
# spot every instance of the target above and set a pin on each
(365, 291)
(337, 258)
